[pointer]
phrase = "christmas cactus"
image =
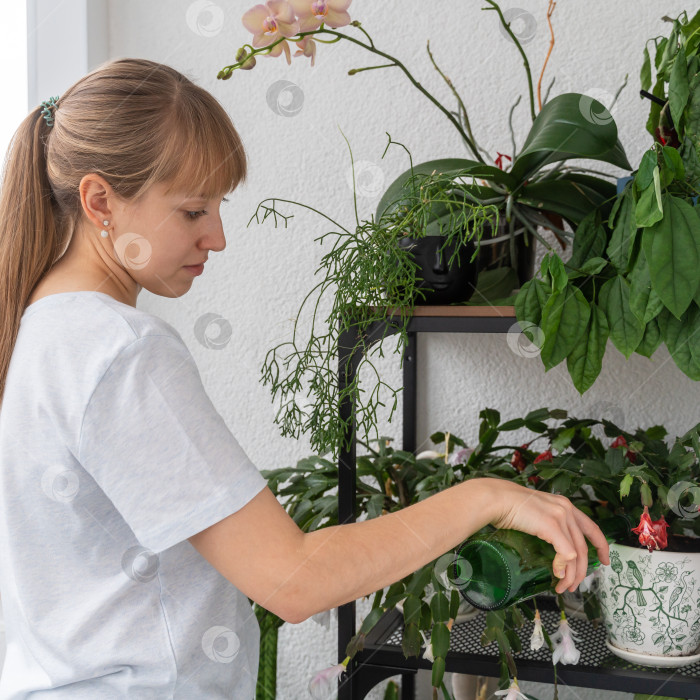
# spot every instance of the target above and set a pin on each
(637, 473)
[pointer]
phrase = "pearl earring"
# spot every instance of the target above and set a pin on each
(104, 234)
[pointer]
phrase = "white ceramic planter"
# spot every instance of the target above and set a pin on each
(650, 601)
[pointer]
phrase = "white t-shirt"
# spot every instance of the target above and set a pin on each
(111, 456)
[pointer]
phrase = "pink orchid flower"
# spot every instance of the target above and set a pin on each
(564, 638)
(277, 50)
(270, 22)
(324, 684)
(313, 13)
(307, 47)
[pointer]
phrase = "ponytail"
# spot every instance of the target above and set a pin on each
(32, 232)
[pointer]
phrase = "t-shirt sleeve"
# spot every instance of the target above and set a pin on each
(155, 444)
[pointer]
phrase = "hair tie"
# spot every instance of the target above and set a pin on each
(46, 112)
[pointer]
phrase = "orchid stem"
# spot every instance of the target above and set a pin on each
(395, 62)
(526, 63)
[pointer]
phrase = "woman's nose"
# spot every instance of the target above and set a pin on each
(216, 239)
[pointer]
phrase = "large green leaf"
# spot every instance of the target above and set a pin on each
(530, 301)
(655, 108)
(678, 87)
(645, 72)
(570, 126)
(620, 245)
(564, 320)
(573, 196)
(649, 207)
(585, 361)
(672, 249)
(400, 187)
(590, 240)
(645, 303)
(626, 330)
(645, 173)
(651, 339)
(692, 117)
(682, 338)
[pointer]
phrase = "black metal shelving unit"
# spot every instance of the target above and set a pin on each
(382, 656)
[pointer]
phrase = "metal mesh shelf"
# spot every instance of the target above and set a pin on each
(598, 667)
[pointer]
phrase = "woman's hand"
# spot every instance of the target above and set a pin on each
(554, 519)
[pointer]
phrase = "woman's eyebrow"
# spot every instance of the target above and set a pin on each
(199, 198)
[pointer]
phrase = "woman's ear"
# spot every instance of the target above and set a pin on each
(97, 198)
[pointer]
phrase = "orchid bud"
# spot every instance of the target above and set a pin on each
(241, 54)
(248, 63)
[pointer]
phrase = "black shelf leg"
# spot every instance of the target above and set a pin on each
(348, 362)
(409, 394)
(408, 686)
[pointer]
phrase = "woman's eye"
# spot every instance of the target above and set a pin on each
(197, 214)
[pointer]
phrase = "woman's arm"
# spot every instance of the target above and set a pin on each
(262, 551)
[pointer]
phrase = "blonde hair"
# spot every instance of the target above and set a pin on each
(132, 121)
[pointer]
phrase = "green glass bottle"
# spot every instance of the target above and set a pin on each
(494, 568)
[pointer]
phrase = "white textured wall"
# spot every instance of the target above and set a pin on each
(258, 282)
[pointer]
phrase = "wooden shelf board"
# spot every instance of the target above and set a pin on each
(461, 311)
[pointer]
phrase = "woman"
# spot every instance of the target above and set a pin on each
(133, 527)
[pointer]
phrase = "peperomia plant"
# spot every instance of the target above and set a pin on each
(634, 473)
(632, 278)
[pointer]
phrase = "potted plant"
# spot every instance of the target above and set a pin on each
(467, 210)
(518, 199)
(648, 594)
(632, 473)
(633, 272)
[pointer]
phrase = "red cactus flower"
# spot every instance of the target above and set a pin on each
(660, 526)
(545, 456)
(620, 441)
(652, 533)
(518, 461)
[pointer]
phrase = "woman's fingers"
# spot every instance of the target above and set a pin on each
(578, 526)
(576, 566)
(594, 534)
(558, 535)
(555, 519)
(568, 562)
(581, 550)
